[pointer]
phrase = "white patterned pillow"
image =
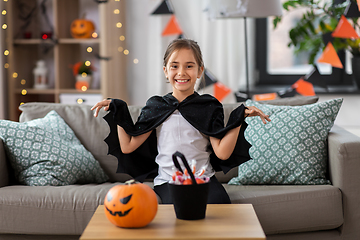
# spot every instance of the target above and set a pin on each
(45, 151)
(292, 148)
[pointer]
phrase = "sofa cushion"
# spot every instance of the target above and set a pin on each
(45, 151)
(286, 209)
(292, 148)
(89, 130)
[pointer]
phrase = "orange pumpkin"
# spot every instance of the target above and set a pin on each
(82, 28)
(132, 205)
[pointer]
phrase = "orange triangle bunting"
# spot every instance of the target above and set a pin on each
(330, 56)
(344, 29)
(220, 91)
(304, 88)
(172, 27)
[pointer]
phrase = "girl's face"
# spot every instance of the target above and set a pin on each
(182, 71)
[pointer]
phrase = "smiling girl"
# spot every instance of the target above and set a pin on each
(181, 121)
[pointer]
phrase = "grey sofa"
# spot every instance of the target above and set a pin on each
(285, 212)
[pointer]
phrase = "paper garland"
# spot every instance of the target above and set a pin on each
(330, 56)
(163, 8)
(172, 27)
(344, 29)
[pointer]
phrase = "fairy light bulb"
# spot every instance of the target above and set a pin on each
(3, 12)
(119, 25)
(4, 26)
(83, 74)
(83, 88)
(116, 11)
(120, 49)
(15, 75)
(23, 82)
(6, 52)
(136, 61)
(126, 52)
(89, 49)
(122, 38)
(23, 92)
(6, 65)
(79, 101)
(94, 35)
(87, 63)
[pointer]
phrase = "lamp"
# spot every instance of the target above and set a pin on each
(245, 9)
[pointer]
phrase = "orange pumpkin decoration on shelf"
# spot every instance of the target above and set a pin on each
(132, 205)
(82, 28)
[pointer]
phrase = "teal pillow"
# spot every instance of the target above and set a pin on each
(45, 151)
(292, 148)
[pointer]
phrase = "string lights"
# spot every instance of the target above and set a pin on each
(122, 38)
(23, 91)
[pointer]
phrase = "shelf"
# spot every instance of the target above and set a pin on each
(61, 40)
(92, 91)
(62, 52)
(32, 41)
(79, 41)
(35, 91)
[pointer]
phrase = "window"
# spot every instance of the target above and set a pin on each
(277, 64)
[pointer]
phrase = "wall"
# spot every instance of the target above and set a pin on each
(349, 114)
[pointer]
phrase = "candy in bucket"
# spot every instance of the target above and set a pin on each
(190, 197)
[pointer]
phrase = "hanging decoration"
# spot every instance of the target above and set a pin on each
(344, 29)
(172, 27)
(303, 87)
(208, 80)
(287, 92)
(352, 10)
(316, 78)
(330, 56)
(163, 8)
(221, 91)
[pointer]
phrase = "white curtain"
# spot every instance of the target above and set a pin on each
(221, 41)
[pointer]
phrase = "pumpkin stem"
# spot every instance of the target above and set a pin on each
(131, 181)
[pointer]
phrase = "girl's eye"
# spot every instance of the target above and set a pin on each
(174, 66)
(190, 66)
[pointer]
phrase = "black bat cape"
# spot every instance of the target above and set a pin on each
(203, 112)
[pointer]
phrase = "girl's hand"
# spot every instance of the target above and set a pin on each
(254, 111)
(104, 103)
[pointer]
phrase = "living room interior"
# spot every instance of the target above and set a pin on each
(246, 58)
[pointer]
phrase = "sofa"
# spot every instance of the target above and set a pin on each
(328, 211)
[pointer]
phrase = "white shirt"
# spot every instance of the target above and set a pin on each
(177, 134)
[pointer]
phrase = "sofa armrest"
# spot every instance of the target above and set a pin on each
(344, 168)
(4, 175)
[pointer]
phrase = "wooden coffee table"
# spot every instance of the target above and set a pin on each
(222, 221)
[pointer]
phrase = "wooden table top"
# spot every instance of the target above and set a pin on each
(222, 221)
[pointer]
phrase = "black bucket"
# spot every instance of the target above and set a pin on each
(189, 200)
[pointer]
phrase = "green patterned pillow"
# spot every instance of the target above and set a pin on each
(292, 148)
(45, 151)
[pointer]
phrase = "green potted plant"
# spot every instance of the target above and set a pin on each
(320, 18)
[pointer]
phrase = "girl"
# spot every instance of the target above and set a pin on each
(181, 121)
